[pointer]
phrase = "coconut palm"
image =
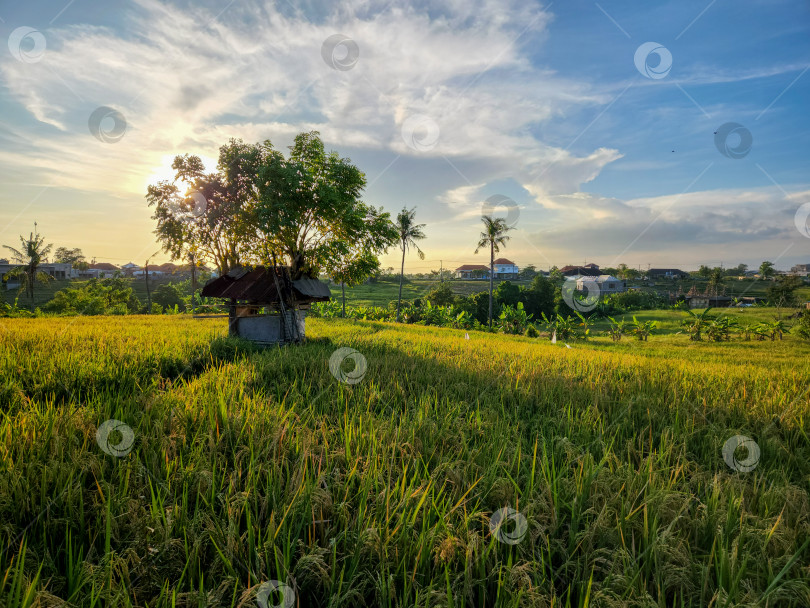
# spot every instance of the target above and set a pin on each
(409, 232)
(29, 257)
(494, 237)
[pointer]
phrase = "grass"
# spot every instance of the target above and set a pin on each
(259, 465)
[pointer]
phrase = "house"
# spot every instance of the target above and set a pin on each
(801, 270)
(153, 270)
(57, 270)
(98, 271)
(472, 271)
(505, 269)
(266, 305)
(667, 273)
(588, 270)
(607, 284)
(129, 268)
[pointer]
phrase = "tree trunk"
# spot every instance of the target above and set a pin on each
(491, 277)
(343, 289)
(401, 278)
(148, 294)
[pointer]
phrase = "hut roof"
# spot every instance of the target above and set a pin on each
(258, 286)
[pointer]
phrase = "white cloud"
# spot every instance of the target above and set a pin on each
(187, 82)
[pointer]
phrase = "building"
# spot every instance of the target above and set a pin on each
(588, 270)
(266, 305)
(472, 271)
(99, 271)
(801, 270)
(57, 270)
(505, 269)
(129, 268)
(667, 273)
(607, 284)
(153, 269)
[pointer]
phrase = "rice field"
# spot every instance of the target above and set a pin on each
(419, 468)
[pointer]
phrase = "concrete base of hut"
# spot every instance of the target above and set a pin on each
(272, 328)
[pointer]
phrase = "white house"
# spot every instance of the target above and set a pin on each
(607, 284)
(505, 269)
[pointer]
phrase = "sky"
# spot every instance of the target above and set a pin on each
(666, 134)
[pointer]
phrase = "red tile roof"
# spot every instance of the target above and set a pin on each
(472, 267)
(504, 261)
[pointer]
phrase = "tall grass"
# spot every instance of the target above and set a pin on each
(259, 465)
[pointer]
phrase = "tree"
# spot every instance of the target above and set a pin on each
(555, 275)
(494, 237)
(704, 272)
(353, 268)
(782, 293)
(308, 209)
(29, 257)
(741, 269)
(716, 276)
(441, 295)
(209, 214)
(408, 232)
(767, 270)
(74, 257)
(528, 272)
(168, 296)
(507, 293)
(538, 299)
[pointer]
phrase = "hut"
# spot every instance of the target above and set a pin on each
(265, 304)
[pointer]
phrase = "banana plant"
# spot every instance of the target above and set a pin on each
(696, 324)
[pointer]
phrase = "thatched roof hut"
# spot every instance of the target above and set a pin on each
(266, 304)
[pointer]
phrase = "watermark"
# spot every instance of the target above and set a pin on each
(502, 203)
(730, 451)
(106, 435)
(660, 68)
(420, 132)
(733, 140)
(498, 525)
(192, 206)
(570, 294)
(26, 44)
(100, 127)
(337, 360)
(273, 591)
(340, 52)
(802, 219)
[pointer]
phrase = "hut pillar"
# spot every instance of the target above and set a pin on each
(232, 329)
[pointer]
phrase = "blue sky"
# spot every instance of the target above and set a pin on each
(447, 104)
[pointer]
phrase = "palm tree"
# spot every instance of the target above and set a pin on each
(409, 233)
(29, 257)
(493, 236)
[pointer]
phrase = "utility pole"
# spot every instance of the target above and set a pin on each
(441, 272)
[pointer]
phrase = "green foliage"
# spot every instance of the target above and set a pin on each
(782, 293)
(617, 329)
(169, 296)
(696, 323)
(310, 210)
(513, 320)
(441, 295)
(802, 327)
(96, 297)
(507, 293)
(642, 329)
